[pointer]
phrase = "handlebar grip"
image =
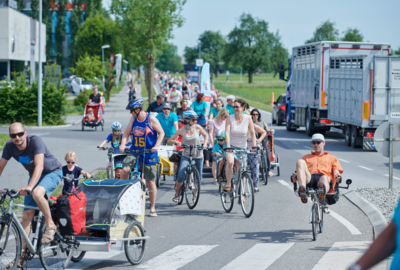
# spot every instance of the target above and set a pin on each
(28, 191)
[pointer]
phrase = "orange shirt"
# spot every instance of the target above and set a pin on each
(324, 164)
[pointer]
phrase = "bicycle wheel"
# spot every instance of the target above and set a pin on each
(246, 192)
(56, 254)
(10, 245)
(77, 256)
(264, 168)
(321, 219)
(227, 199)
(158, 175)
(314, 220)
(181, 194)
(278, 171)
(192, 189)
(134, 249)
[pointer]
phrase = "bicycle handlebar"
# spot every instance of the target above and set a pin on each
(198, 146)
(348, 183)
(70, 179)
(138, 152)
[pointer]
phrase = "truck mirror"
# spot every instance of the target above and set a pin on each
(281, 67)
(282, 74)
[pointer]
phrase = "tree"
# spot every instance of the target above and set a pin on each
(169, 60)
(191, 54)
(397, 52)
(149, 23)
(279, 54)
(95, 32)
(249, 45)
(212, 49)
(75, 23)
(352, 34)
(60, 31)
(89, 68)
(326, 31)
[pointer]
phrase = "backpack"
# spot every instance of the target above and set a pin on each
(71, 212)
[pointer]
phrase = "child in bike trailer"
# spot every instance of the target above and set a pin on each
(115, 137)
(118, 170)
(217, 152)
(72, 171)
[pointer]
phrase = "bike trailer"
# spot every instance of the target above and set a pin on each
(112, 205)
(95, 121)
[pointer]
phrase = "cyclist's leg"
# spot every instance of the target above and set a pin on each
(150, 172)
(254, 165)
(181, 174)
(199, 166)
(27, 218)
(230, 159)
(264, 144)
(323, 186)
(127, 164)
(303, 174)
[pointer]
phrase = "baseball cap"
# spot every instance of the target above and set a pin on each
(167, 106)
(230, 97)
(318, 137)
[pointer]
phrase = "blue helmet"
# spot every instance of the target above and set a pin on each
(180, 118)
(118, 165)
(189, 114)
(116, 126)
(135, 104)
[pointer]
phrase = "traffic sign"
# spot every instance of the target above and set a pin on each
(382, 139)
(199, 62)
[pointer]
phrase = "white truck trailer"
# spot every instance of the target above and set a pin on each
(353, 86)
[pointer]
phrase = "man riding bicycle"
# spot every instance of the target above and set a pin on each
(147, 134)
(317, 170)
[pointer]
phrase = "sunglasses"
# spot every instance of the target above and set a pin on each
(316, 142)
(116, 130)
(19, 134)
(166, 109)
(236, 107)
(255, 114)
(221, 140)
(70, 162)
(194, 119)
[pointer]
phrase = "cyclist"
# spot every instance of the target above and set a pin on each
(174, 97)
(72, 171)
(200, 108)
(230, 99)
(214, 111)
(184, 107)
(131, 92)
(147, 134)
(168, 121)
(236, 129)
(157, 105)
(44, 176)
(190, 133)
(253, 157)
(115, 137)
(217, 152)
(317, 170)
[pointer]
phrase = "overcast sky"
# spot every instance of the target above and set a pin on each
(296, 20)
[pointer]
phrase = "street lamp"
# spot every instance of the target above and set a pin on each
(102, 60)
(126, 65)
(199, 41)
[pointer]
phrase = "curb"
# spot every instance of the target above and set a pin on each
(377, 219)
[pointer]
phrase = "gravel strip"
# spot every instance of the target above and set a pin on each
(384, 199)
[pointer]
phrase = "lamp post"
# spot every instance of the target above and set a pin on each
(199, 42)
(102, 60)
(40, 67)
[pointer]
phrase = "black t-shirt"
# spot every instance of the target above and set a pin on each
(95, 98)
(179, 111)
(75, 173)
(35, 145)
(154, 107)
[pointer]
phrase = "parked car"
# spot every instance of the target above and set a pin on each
(279, 110)
(78, 85)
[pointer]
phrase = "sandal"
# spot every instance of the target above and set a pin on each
(48, 234)
(321, 192)
(256, 190)
(21, 261)
(226, 188)
(220, 178)
(175, 199)
(303, 194)
(153, 214)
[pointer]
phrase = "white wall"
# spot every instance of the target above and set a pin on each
(14, 23)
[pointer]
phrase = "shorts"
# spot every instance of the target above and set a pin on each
(150, 171)
(237, 155)
(314, 180)
(49, 182)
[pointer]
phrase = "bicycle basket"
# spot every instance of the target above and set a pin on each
(175, 157)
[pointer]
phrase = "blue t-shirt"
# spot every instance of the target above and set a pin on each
(215, 112)
(167, 124)
(72, 174)
(230, 109)
(396, 254)
(217, 149)
(117, 141)
(199, 109)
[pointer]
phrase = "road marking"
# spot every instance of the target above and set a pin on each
(91, 258)
(283, 182)
(342, 254)
(353, 230)
(345, 161)
(294, 142)
(307, 147)
(177, 257)
(369, 169)
(261, 256)
(394, 177)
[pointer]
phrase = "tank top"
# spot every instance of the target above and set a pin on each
(144, 137)
(238, 132)
(193, 139)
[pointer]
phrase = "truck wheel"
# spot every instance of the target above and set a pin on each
(279, 121)
(289, 126)
(309, 130)
(273, 119)
(347, 135)
(354, 137)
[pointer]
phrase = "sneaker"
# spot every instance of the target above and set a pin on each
(303, 194)
(321, 191)
(326, 210)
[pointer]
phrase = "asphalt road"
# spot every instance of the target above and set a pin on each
(278, 234)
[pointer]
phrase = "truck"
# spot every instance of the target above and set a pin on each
(351, 86)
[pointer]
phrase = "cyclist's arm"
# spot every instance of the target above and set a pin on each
(261, 131)
(173, 138)
(103, 143)
(227, 131)
(252, 133)
(211, 133)
(176, 125)
(86, 174)
(38, 160)
(157, 127)
(211, 116)
(204, 133)
(125, 138)
(3, 163)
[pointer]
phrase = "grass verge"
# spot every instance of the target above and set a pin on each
(3, 140)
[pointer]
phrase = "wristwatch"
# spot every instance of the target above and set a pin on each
(354, 267)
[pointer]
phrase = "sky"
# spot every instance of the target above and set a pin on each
(296, 20)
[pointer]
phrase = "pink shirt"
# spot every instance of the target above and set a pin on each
(215, 126)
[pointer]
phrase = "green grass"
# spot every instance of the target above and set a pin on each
(3, 139)
(70, 108)
(145, 94)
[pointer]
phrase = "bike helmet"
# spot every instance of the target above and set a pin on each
(220, 134)
(135, 104)
(116, 126)
(118, 165)
(189, 114)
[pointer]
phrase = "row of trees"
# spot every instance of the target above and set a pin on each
(250, 46)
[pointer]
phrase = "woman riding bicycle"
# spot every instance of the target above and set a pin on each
(200, 108)
(237, 127)
(253, 157)
(190, 136)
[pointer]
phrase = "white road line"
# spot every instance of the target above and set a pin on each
(353, 230)
(345, 161)
(283, 182)
(261, 256)
(92, 258)
(342, 254)
(365, 168)
(394, 177)
(177, 257)
(307, 147)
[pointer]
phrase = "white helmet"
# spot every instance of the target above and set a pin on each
(116, 126)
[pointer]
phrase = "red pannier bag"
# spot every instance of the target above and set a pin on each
(71, 213)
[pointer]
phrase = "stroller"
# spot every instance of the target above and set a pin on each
(94, 119)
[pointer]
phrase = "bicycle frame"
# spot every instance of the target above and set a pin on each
(314, 198)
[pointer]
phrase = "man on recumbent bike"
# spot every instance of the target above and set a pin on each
(317, 170)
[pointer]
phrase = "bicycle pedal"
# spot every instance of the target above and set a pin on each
(327, 211)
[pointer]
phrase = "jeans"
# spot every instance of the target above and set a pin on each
(185, 163)
(264, 144)
(255, 167)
